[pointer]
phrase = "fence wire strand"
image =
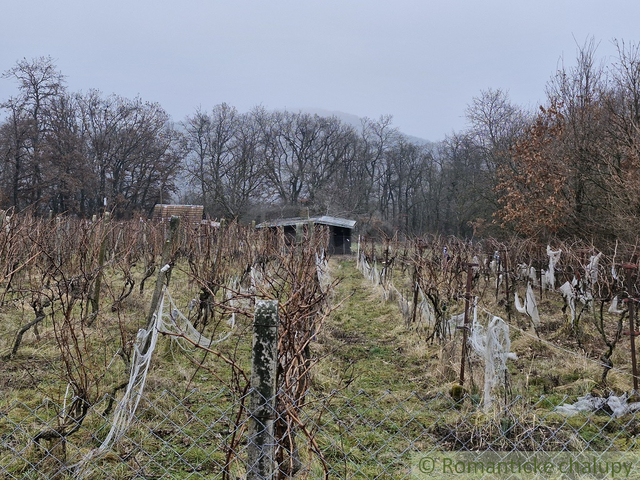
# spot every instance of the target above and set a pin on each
(355, 435)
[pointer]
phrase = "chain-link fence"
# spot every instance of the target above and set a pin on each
(340, 434)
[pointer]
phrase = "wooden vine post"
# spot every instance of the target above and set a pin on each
(95, 298)
(505, 270)
(416, 278)
(465, 328)
(415, 294)
(540, 274)
(631, 303)
(163, 275)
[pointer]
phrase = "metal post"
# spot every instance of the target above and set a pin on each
(264, 361)
(465, 329)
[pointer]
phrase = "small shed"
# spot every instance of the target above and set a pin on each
(191, 214)
(340, 229)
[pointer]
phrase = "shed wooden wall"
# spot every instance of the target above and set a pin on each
(187, 213)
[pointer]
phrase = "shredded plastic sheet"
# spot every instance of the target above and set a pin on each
(476, 261)
(533, 276)
(493, 264)
(549, 277)
(530, 306)
(616, 406)
(569, 294)
(523, 271)
(614, 274)
(614, 307)
(581, 291)
(591, 270)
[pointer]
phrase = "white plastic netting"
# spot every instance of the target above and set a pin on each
(582, 290)
(182, 331)
(568, 292)
(492, 344)
(613, 308)
(369, 271)
(322, 269)
(591, 270)
(425, 308)
(379, 278)
(123, 416)
(167, 319)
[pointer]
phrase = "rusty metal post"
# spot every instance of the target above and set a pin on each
(465, 329)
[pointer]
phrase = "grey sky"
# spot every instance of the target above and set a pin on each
(420, 61)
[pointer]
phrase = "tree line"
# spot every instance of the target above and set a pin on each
(568, 169)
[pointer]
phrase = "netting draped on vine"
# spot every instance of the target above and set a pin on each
(125, 410)
(167, 319)
(591, 270)
(613, 308)
(530, 306)
(176, 324)
(322, 269)
(493, 345)
(369, 271)
(426, 309)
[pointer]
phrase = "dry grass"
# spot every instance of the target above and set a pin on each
(363, 346)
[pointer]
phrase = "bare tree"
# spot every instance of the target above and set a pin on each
(224, 159)
(133, 151)
(39, 84)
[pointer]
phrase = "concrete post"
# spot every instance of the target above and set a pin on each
(264, 362)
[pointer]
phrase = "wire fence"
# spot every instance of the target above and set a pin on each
(340, 434)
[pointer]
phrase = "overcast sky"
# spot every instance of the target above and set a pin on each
(421, 61)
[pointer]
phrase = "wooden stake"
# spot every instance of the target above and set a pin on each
(465, 330)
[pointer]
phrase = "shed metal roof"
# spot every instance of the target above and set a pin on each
(321, 220)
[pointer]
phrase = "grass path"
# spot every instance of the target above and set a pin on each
(364, 343)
